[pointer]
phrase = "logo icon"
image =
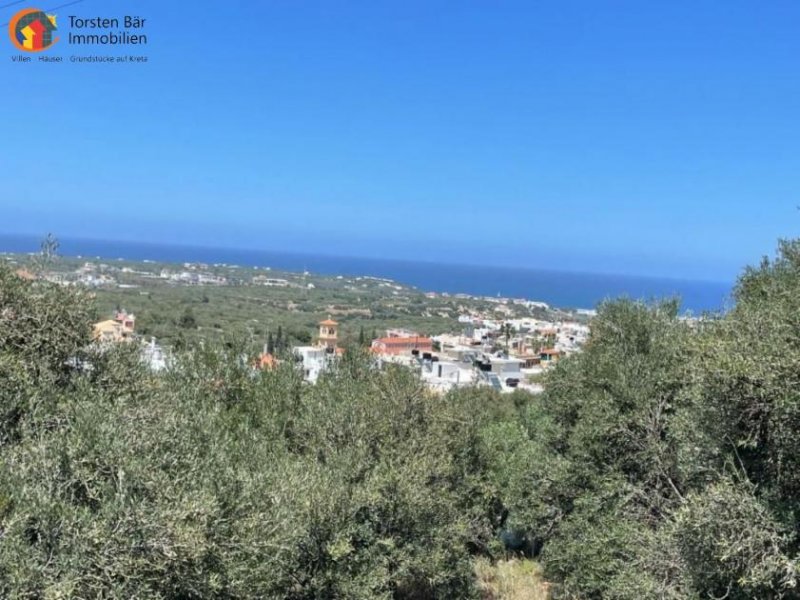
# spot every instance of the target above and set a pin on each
(32, 30)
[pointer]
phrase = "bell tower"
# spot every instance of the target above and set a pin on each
(328, 334)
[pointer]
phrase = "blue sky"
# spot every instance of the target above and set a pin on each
(625, 137)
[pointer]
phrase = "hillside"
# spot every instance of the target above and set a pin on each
(660, 462)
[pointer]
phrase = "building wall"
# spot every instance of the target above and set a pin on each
(399, 345)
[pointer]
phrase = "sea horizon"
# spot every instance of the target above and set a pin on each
(557, 288)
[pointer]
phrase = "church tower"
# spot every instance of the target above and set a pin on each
(328, 334)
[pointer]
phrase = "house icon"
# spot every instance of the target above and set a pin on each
(32, 30)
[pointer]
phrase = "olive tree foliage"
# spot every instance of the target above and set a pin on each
(217, 480)
(753, 367)
(42, 328)
(732, 545)
(749, 387)
(607, 433)
(664, 460)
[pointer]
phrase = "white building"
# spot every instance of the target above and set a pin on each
(442, 376)
(314, 360)
(154, 356)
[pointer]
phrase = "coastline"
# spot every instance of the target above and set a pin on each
(563, 289)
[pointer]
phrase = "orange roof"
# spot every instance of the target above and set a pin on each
(328, 322)
(549, 351)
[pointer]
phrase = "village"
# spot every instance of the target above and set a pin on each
(503, 343)
(505, 355)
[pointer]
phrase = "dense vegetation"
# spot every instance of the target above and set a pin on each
(662, 462)
(218, 481)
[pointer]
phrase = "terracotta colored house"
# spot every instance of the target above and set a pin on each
(118, 329)
(401, 345)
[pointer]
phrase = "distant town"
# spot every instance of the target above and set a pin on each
(450, 340)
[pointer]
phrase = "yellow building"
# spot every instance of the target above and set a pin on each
(118, 329)
(328, 334)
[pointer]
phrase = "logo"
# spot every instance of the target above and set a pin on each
(32, 30)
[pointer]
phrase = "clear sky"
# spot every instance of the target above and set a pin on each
(639, 137)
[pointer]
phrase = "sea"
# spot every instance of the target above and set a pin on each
(563, 289)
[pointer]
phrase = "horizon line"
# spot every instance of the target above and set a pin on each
(37, 237)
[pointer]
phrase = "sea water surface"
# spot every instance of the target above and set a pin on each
(557, 288)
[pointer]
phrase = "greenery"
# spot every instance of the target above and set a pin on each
(219, 481)
(663, 461)
(512, 579)
(181, 314)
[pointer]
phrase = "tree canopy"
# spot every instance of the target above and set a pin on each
(663, 461)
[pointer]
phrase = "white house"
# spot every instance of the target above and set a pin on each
(445, 375)
(154, 356)
(314, 359)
